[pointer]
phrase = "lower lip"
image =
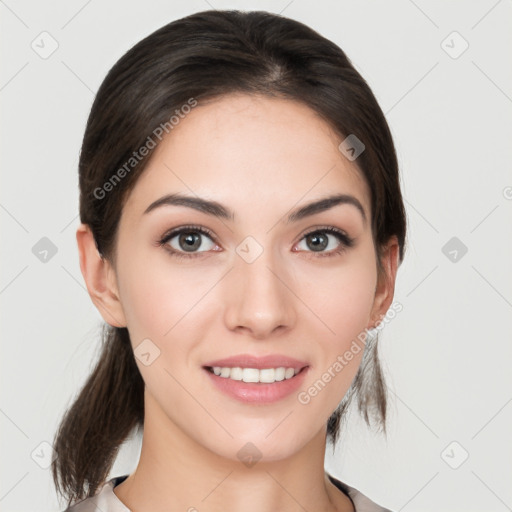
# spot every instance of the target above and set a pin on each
(257, 392)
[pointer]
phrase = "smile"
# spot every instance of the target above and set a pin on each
(256, 386)
(264, 375)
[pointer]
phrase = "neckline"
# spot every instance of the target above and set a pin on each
(115, 481)
(344, 488)
(118, 480)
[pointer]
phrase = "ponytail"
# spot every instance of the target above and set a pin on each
(368, 388)
(108, 407)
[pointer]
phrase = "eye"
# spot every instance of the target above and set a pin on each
(185, 241)
(189, 239)
(318, 241)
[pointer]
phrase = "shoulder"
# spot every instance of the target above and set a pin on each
(361, 502)
(104, 500)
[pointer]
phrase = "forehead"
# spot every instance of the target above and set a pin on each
(248, 151)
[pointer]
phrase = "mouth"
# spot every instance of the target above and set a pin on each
(256, 375)
(257, 379)
(257, 386)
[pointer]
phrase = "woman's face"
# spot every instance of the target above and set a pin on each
(264, 282)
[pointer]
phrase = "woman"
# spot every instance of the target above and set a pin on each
(241, 228)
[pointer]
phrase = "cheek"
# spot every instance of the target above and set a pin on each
(160, 297)
(342, 298)
(350, 304)
(344, 308)
(167, 304)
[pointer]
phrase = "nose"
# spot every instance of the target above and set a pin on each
(259, 297)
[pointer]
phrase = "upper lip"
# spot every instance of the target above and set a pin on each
(249, 361)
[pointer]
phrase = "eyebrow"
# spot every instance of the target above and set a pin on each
(218, 210)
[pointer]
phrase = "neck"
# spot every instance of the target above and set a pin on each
(175, 471)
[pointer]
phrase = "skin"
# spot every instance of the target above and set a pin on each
(262, 158)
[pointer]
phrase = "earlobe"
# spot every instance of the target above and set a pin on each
(100, 278)
(385, 289)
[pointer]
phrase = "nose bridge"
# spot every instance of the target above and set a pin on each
(259, 298)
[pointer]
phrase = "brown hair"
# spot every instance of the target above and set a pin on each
(207, 55)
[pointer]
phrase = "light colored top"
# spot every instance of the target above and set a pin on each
(107, 501)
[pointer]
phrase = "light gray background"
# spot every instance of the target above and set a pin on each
(447, 354)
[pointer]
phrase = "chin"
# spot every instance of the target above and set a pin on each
(260, 447)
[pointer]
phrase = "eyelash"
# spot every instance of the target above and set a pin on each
(346, 241)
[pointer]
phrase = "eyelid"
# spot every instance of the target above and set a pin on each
(328, 229)
(188, 227)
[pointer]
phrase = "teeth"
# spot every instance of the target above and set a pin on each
(265, 375)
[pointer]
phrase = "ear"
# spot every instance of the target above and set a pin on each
(100, 278)
(385, 289)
